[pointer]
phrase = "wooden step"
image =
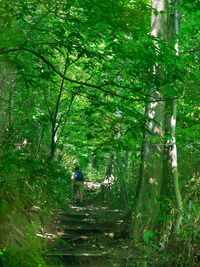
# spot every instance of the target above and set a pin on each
(91, 221)
(88, 236)
(78, 254)
(86, 250)
(81, 229)
(91, 209)
(75, 238)
(92, 213)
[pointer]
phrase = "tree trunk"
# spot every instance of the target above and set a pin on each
(7, 83)
(122, 170)
(147, 204)
(171, 190)
(159, 172)
(11, 109)
(40, 136)
(54, 118)
(108, 181)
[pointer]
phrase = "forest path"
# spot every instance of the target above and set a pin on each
(91, 235)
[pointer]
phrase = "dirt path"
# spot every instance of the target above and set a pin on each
(90, 235)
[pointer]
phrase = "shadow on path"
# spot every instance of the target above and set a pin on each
(90, 234)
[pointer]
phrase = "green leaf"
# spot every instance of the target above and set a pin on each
(148, 236)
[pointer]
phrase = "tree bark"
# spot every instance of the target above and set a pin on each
(171, 189)
(122, 170)
(159, 170)
(54, 118)
(147, 202)
(7, 84)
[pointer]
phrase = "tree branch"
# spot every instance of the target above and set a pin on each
(98, 87)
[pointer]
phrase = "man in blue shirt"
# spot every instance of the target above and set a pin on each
(78, 184)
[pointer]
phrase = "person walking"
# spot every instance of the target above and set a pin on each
(78, 184)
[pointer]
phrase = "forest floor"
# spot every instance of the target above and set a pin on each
(90, 234)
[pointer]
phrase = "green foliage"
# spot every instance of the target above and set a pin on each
(95, 112)
(148, 236)
(31, 189)
(23, 257)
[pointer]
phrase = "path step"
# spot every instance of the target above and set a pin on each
(81, 254)
(91, 209)
(81, 229)
(89, 234)
(91, 221)
(92, 213)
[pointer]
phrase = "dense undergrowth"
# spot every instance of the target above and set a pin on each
(31, 189)
(175, 241)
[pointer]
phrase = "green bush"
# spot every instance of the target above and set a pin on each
(31, 189)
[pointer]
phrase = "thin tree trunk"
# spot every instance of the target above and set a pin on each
(40, 136)
(171, 189)
(122, 174)
(174, 160)
(7, 83)
(11, 110)
(173, 131)
(54, 118)
(108, 181)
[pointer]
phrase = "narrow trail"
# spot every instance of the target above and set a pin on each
(91, 234)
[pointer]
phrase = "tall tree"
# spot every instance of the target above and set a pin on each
(147, 203)
(158, 172)
(170, 189)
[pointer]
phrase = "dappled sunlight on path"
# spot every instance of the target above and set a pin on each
(90, 234)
